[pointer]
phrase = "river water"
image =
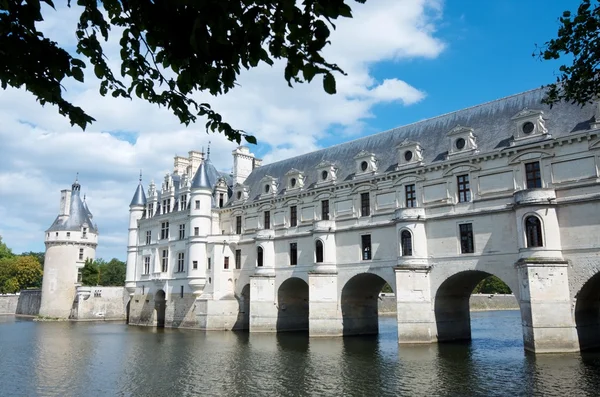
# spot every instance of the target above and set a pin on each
(96, 359)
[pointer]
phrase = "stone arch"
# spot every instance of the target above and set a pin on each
(292, 305)
(127, 311)
(587, 314)
(243, 318)
(451, 305)
(160, 306)
(359, 302)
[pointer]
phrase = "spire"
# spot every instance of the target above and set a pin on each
(208, 152)
(85, 207)
(76, 187)
(201, 178)
(139, 197)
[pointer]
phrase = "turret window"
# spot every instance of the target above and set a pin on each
(365, 204)
(293, 216)
(68, 234)
(406, 243)
(221, 200)
(267, 220)
(84, 232)
(319, 251)
(464, 188)
(238, 224)
(533, 175)
(197, 204)
(196, 231)
(366, 247)
(293, 254)
(80, 254)
(533, 231)
(325, 210)
(467, 245)
(410, 195)
(238, 259)
(195, 265)
(259, 257)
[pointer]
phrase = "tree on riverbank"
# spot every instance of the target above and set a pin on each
(19, 272)
(100, 272)
(492, 285)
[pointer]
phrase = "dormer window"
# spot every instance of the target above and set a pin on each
(366, 163)
(240, 192)
(269, 185)
(409, 154)
(295, 179)
(326, 171)
(462, 141)
(267, 188)
(239, 195)
(529, 124)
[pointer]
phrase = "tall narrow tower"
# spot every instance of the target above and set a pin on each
(136, 211)
(70, 240)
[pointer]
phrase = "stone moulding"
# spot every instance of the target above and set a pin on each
(534, 196)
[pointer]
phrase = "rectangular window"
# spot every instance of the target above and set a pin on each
(150, 210)
(68, 234)
(164, 207)
(466, 238)
(181, 291)
(197, 204)
(366, 246)
(267, 223)
(165, 261)
(180, 262)
(293, 216)
(148, 237)
(464, 188)
(146, 265)
(238, 259)
(84, 233)
(183, 202)
(208, 264)
(221, 200)
(365, 204)
(195, 265)
(80, 254)
(226, 263)
(325, 210)
(182, 231)
(533, 175)
(411, 197)
(238, 225)
(293, 254)
(196, 231)
(164, 230)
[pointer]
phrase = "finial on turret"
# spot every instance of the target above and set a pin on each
(208, 152)
(76, 186)
(140, 176)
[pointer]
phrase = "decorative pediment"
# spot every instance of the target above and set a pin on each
(269, 186)
(462, 141)
(295, 180)
(326, 172)
(529, 123)
(366, 163)
(152, 189)
(221, 184)
(240, 192)
(409, 154)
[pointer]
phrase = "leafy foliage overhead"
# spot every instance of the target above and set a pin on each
(579, 39)
(170, 49)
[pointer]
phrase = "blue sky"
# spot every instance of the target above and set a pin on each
(407, 60)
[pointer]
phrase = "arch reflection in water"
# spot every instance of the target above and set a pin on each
(160, 306)
(292, 300)
(360, 299)
(587, 314)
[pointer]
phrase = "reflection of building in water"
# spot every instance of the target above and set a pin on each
(507, 188)
(70, 240)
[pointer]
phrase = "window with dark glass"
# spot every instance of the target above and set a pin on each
(196, 231)
(165, 260)
(80, 254)
(197, 204)
(238, 224)
(319, 251)
(293, 254)
(293, 216)
(533, 175)
(180, 262)
(259, 257)
(84, 232)
(325, 210)
(150, 210)
(195, 265)
(406, 243)
(410, 195)
(365, 204)
(182, 231)
(146, 265)
(464, 188)
(366, 246)
(164, 230)
(208, 263)
(226, 263)
(183, 202)
(267, 223)
(364, 166)
(533, 231)
(181, 292)
(466, 238)
(148, 236)
(238, 259)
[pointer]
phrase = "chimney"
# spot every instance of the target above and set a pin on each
(243, 164)
(65, 202)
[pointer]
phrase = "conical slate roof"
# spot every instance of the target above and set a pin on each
(201, 179)
(139, 197)
(78, 216)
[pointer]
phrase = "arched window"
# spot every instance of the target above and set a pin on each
(259, 257)
(533, 231)
(406, 243)
(319, 251)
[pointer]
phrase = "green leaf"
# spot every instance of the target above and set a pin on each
(250, 139)
(329, 84)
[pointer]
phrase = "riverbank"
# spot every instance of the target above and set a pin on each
(477, 303)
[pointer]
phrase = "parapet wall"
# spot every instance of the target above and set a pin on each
(29, 302)
(478, 302)
(102, 303)
(8, 304)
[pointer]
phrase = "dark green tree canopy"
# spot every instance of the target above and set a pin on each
(170, 49)
(579, 38)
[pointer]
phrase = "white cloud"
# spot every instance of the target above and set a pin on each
(40, 152)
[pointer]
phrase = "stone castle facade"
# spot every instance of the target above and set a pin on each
(508, 188)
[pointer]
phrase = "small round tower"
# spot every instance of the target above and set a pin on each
(70, 240)
(136, 212)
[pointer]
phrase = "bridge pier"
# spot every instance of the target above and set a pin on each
(325, 315)
(263, 303)
(416, 323)
(548, 325)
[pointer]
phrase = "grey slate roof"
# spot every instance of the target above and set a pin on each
(139, 197)
(206, 176)
(78, 216)
(491, 122)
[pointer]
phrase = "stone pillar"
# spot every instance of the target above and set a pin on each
(263, 303)
(416, 320)
(325, 314)
(548, 325)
